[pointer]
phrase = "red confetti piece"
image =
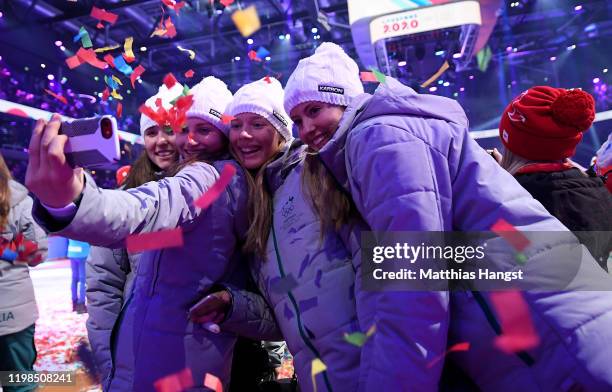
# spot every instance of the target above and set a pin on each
(217, 188)
(189, 74)
(176, 382)
(119, 109)
(268, 80)
(89, 56)
(213, 382)
(58, 97)
(109, 60)
(128, 58)
(510, 234)
(17, 112)
(100, 14)
(170, 80)
(170, 29)
(455, 348)
(368, 77)
(253, 56)
(136, 74)
(99, 25)
(174, 5)
(156, 240)
(518, 332)
(73, 62)
(226, 118)
(226, 3)
(105, 94)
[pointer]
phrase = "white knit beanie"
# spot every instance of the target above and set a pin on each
(210, 99)
(265, 99)
(329, 76)
(167, 96)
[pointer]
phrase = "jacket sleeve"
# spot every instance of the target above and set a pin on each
(392, 181)
(107, 271)
(250, 316)
(106, 217)
(30, 229)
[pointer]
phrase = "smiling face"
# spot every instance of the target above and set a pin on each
(160, 147)
(316, 122)
(253, 140)
(200, 137)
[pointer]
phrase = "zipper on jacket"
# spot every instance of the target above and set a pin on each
(523, 355)
(295, 306)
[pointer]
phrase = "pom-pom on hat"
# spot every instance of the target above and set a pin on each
(122, 173)
(546, 123)
(329, 76)
(210, 99)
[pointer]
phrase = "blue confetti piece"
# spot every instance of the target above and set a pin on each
(262, 52)
(122, 66)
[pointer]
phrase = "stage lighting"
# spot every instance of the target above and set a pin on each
(401, 64)
(143, 48)
(50, 77)
(62, 48)
(281, 37)
(64, 80)
(605, 70)
(43, 66)
(571, 47)
(268, 58)
(314, 30)
(250, 41)
(58, 43)
(553, 58)
(287, 36)
(96, 78)
(596, 80)
(432, 89)
(578, 8)
(446, 84)
(1, 14)
(237, 58)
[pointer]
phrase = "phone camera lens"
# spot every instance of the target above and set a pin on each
(107, 128)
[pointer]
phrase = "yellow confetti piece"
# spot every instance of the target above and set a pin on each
(127, 47)
(192, 54)
(106, 48)
(116, 95)
(317, 367)
(435, 76)
(116, 79)
(247, 21)
(371, 330)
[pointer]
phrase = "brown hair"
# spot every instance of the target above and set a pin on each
(333, 206)
(5, 193)
(260, 210)
(143, 170)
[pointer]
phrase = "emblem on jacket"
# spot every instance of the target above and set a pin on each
(6, 316)
(289, 214)
(287, 207)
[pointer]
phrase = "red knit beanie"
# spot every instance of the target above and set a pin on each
(546, 123)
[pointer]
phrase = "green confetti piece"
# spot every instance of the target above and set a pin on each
(85, 40)
(379, 75)
(521, 258)
(355, 338)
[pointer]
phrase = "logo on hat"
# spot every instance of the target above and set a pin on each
(215, 113)
(280, 117)
(331, 89)
(515, 115)
(505, 135)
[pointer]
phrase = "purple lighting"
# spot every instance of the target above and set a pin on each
(578, 8)
(595, 80)
(58, 43)
(50, 77)
(553, 58)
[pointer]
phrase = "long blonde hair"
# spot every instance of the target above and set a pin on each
(5, 193)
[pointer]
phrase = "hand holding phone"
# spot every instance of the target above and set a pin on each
(92, 142)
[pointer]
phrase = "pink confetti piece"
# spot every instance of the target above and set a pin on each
(99, 25)
(510, 234)
(89, 56)
(268, 80)
(169, 81)
(226, 119)
(226, 3)
(17, 112)
(217, 188)
(139, 70)
(213, 382)
(368, 77)
(176, 382)
(253, 56)
(57, 96)
(109, 60)
(119, 110)
(157, 240)
(518, 332)
(73, 62)
(189, 74)
(465, 346)
(100, 14)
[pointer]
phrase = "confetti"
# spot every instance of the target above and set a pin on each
(262, 52)
(105, 94)
(58, 97)
(156, 240)
(89, 56)
(510, 234)
(227, 3)
(112, 83)
(356, 338)
(226, 119)
(116, 95)
(213, 382)
(191, 53)
(174, 5)
(189, 73)
(109, 60)
(253, 56)
(169, 80)
(165, 29)
(119, 109)
(367, 77)
(176, 382)
(268, 80)
(122, 66)
(83, 35)
(317, 367)
(284, 285)
(380, 77)
(217, 188)
(17, 112)
(247, 21)
(73, 61)
(435, 76)
(483, 57)
(518, 332)
(100, 14)
(139, 70)
(99, 25)
(106, 48)
(127, 47)
(116, 79)
(465, 346)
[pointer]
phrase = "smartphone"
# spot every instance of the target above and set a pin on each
(92, 142)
